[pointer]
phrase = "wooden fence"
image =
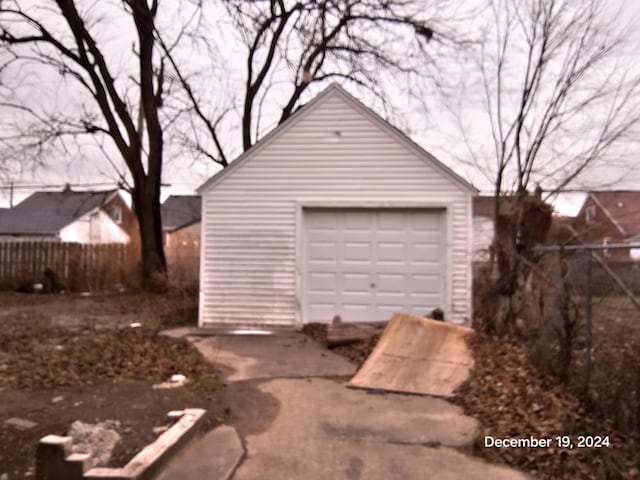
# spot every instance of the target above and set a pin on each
(79, 267)
(183, 263)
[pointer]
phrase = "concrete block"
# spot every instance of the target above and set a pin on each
(52, 462)
(148, 462)
(55, 460)
(216, 455)
(150, 459)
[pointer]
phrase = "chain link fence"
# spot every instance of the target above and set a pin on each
(590, 330)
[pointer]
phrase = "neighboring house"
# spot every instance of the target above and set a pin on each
(181, 220)
(68, 216)
(334, 213)
(610, 217)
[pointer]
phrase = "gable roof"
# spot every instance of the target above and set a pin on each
(46, 213)
(180, 211)
(622, 207)
(336, 90)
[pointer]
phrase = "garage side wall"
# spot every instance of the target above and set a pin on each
(334, 154)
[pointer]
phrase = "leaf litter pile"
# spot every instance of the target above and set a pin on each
(514, 399)
(49, 357)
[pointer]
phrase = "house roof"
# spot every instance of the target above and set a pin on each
(180, 211)
(46, 213)
(622, 207)
(335, 89)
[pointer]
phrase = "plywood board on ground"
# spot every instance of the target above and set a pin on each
(417, 355)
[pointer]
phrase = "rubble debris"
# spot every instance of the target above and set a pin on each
(21, 424)
(98, 440)
(175, 381)
(175, 414)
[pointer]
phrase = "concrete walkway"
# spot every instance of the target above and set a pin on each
(327, 431)
(323, 430)
(282, 355)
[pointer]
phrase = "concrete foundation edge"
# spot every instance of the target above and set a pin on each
(54, 460)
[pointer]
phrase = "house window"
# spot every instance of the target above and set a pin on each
(591, 214)
(116, 214)
(606, 241)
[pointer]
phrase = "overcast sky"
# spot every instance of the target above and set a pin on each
(435, 130)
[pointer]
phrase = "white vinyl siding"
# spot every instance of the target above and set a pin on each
(251, 229)
(94, 227)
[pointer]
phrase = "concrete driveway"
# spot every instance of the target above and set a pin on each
(320, 429)
(282, 355)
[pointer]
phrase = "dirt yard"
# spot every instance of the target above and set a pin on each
(74, 357)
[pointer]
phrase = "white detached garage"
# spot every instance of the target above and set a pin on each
(335, 212)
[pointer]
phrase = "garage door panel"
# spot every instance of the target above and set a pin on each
(389, 283)
(355, 310)
(322, 282)
(356, 221)
(393, 223)
(394, 236)
(321, 267)
(426, 222)
(356, 282)
(321, 219)
(369, 264)
(357, 251)
(319, 250)
(419, 283)
(424, 252)
(357, 267)
(420, 310)
(324, 235)
(391, 252)
(431, 236)
(424, 298)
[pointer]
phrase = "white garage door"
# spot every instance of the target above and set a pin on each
(365, 264)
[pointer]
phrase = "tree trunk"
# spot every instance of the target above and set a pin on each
(513, 292)
(147, 208)
(147, 187)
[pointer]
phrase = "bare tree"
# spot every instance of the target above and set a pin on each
(558, 96)
(163, 98)
(557, 89)
(292, 47)
(125, 110)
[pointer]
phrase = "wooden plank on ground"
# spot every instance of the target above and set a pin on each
(417, 355)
